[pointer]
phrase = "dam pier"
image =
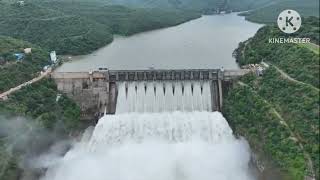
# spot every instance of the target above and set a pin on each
(97, 91)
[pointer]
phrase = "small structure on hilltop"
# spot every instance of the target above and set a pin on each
(19, 56)
(58, 97)
(27, 50)
(53, 57)
(260, 71)
(21, 3)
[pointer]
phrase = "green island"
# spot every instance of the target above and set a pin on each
(278, 113)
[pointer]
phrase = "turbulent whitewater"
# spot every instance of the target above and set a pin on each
(162, 133)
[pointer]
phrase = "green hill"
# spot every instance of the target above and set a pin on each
(45, 118)
(197, 5)
(52, 29)
(45, 122)
(36, 102)
(298, 61)
(269, 14)
(279, 112)
(194, 5)
(13, 73)
(245, 5)
(80, 28)
(122, 20)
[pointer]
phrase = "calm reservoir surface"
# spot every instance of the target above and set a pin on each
(207, 42)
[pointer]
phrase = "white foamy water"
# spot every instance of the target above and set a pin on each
(161, 131)
(165, 96)
(171, 127)
(157, 146)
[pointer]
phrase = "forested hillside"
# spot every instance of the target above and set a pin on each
(297, 60)
(245, 5)
(13, 72)
(45, 117)
(279, 112)
(122, 20)
(194, 5)
(44, 122)
(80, 28)
(269, 13)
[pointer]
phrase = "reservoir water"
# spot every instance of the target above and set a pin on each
(207, 42)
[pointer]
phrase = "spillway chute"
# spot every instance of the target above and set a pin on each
(167, 96)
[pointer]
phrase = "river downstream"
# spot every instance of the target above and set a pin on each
(207, 42)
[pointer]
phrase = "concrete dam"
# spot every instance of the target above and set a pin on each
(146, 90)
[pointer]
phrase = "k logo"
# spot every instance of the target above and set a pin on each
(289, 21)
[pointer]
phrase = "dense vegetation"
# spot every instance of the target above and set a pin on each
(79, 28)
(245, 5)
(296, 60)
(203, 6)
(253, 112)
(45, 117)
(280, 115)
(46, 120)
(122, 20)
(12, 72)
(40, 104)
(269, 13)
(250, 116)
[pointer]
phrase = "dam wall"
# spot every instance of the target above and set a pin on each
(97, 91)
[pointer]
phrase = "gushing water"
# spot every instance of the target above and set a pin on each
(173, 127)
(161, 131)
(164, 96)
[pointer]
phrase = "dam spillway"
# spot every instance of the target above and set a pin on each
(96, 91)
(160, 130)
(164, 96)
